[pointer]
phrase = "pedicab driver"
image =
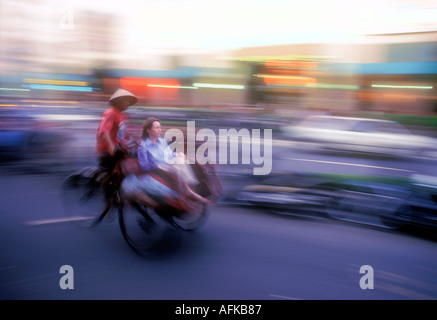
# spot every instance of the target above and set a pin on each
(112, 128)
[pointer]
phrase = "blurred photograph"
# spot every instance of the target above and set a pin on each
(218, 150)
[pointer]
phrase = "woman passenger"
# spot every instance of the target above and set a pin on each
(156, 157)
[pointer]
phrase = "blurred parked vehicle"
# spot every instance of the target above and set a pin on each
(361, 135)
(421, 206)
(14, 135)
(25, 140)
(381, 201)
(288, 193)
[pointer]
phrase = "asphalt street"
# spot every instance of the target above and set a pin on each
(241, 253)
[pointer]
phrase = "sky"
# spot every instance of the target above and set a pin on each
(232, 24)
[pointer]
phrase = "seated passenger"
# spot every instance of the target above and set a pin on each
(163, 178)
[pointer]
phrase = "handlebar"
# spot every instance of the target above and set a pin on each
(126, 148)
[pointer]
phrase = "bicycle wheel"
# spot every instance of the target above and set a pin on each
(83, 197)
(191, 220)
(140, 226)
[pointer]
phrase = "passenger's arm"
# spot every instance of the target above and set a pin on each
(143, 159)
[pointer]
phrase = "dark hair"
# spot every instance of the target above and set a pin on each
(147, 124)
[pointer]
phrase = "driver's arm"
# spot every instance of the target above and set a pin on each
(108, 142)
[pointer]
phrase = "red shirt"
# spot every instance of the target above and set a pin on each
(114, 122)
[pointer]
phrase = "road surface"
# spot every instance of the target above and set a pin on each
(241, 253)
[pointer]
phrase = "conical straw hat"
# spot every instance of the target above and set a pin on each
(121, 93)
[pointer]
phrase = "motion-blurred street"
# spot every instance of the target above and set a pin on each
(320, 118)
(241, 252)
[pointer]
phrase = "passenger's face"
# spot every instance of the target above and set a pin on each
(155, 130)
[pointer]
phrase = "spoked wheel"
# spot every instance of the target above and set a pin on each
(83, 197)
(191, 220)
(196, 215)
(140, 226)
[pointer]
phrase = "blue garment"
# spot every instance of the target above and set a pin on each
(151, 155)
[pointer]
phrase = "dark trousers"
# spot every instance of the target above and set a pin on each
(107, 163)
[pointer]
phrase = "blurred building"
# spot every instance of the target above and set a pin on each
(49, 50)
(382, 73)
(405, 80)
(53, 50)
